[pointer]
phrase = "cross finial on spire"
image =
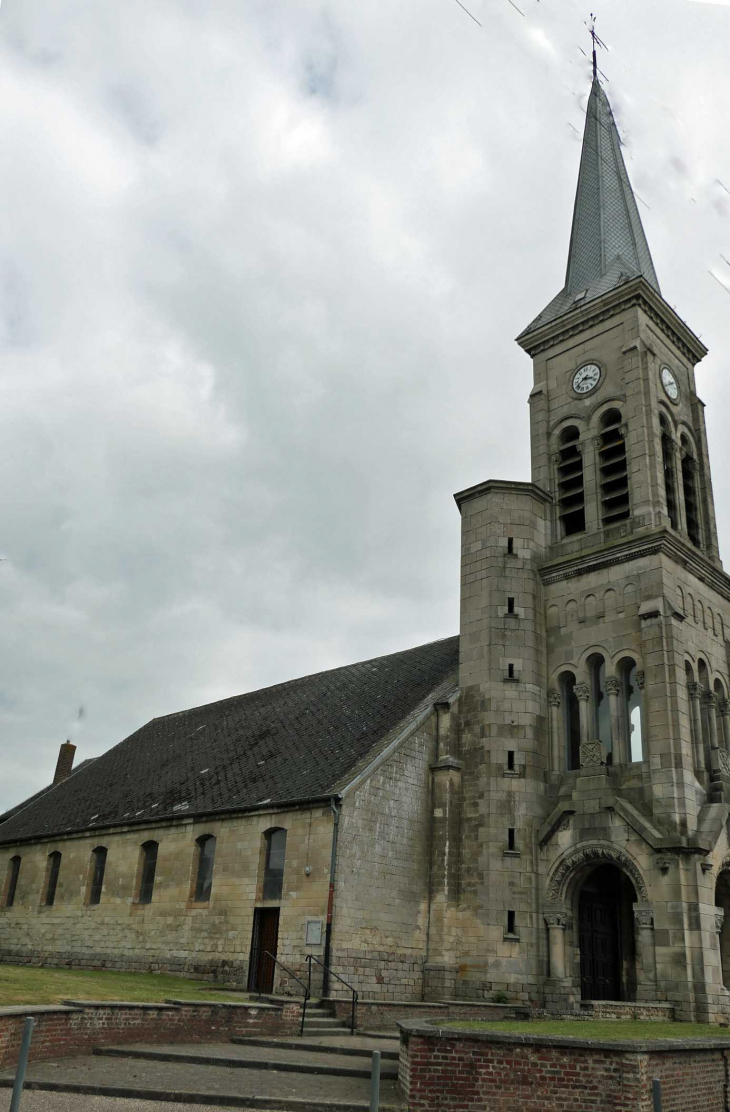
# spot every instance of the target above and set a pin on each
(597, 41)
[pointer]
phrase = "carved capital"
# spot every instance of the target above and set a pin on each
(623, 431)
(695, 690)
(723, 761)
(582, 692)
(613, 686)
(597, 442)
(554, 698)
(711, 698)
(640, 680)
(556, 921)
(724, 706)
(664, 863)
(557, 458)
(644, 918)
(719, 918)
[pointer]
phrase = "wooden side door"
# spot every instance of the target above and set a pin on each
(264, 942)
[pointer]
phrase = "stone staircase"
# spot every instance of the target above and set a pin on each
(321, 1020)
(326, 1070)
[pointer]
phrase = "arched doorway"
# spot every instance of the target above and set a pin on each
(722, 903)
(606, 935)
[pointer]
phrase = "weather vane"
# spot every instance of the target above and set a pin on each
(597, 41)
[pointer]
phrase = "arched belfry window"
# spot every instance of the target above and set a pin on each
(571, 492)
(274, 864)
(571, 720)
(600, 704)
(613, 469)
(632, 682)
(689, 488)
(670, 485)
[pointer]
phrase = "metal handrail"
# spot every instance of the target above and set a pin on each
(310, 958)
(307, 992)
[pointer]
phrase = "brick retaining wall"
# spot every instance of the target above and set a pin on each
(445, 1070)
(384, 1015)
(76, 1027)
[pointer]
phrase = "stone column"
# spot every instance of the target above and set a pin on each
(725, 716)
(439, 970)
(645, 951)
(695, 694)
(711, 704)
(613, 690)
(556, 923)
(557, 736)
(583, 694)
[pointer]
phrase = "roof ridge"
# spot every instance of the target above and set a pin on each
(302, 679)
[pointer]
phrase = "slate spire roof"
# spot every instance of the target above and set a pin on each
(296, 742)
(608, 245)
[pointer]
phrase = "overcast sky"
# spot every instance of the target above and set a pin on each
(261, 267)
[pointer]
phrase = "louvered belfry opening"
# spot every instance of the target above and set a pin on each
(689, 486)
(614, 473)
(571, 491)
(670, 488)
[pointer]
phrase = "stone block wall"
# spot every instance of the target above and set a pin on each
(172, 933)
(380, 932)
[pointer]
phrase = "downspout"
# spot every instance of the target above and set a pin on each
(331, 899)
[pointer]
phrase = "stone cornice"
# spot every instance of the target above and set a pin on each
(636, 292)
(502, 486)
(659, 542)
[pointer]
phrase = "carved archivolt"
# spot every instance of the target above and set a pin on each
(590, 854)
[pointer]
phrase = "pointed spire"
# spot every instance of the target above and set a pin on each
(607, 245)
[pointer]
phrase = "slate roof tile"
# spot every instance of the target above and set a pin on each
(292, 742)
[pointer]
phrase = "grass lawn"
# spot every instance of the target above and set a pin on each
(24, 984)
(613, 1030)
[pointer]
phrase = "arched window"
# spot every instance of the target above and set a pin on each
(274, 864)
(695, 727)
(11, 882)
(147, 872)
(722, 739)
(600, 704)
(703, 679)
(204, 872)
(632, 683)
(98, 868)
(613, 468)
(689, 486)
(571, 495)
(53, 868)
(571, 720)
(670, 485)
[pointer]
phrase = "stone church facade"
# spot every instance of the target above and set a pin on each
(537, 808)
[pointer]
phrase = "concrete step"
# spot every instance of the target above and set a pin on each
(349, 1045)
(218, 1086)
(289, 1059)
(323, 1027)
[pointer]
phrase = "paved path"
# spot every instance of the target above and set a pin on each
(75, 1102)
(218, 1084)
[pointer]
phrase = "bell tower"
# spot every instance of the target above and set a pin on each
(594, 711)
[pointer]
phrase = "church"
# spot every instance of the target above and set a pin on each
(535, 810)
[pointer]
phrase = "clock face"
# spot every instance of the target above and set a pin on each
(587, 378)
(670, 383)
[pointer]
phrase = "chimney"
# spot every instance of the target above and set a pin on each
(65, 762)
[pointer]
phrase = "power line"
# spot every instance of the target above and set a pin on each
(468, 13)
